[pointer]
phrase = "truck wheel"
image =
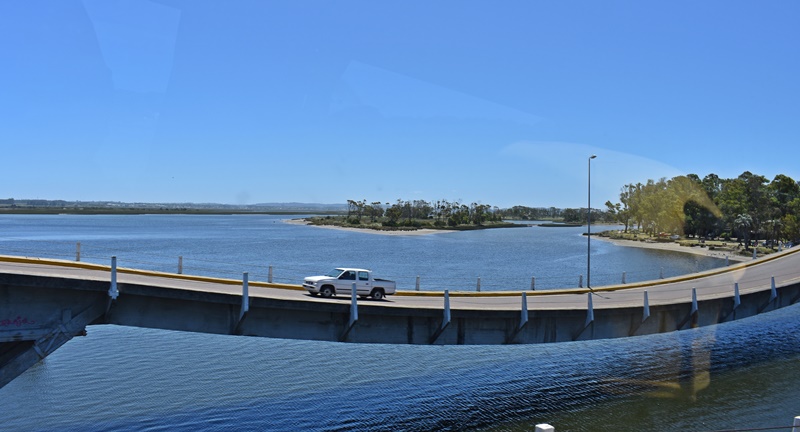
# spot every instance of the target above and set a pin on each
(326, 291)
(377, 294)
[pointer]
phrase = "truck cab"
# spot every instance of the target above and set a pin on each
(340, 281)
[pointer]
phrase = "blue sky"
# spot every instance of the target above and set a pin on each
(499, 103)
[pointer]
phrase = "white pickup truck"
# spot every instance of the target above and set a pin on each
(340, 281)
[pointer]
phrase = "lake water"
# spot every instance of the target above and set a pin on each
(734, 376)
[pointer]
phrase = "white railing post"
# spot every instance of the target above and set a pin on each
(661, 274)
(479, 284)
(180, 265)
(580, 281)
(694, 301)
(269, 275)
(646, 311)
(417, 284)
(736, 299)
(796, 424)
(623, 277)
(78, 252)
(533, 283)
(544, 427)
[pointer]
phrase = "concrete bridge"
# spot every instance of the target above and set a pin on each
(45, 303)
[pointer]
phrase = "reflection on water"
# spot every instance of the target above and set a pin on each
(737, 376)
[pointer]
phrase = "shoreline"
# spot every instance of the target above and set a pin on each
(675, 247)
(416, 232)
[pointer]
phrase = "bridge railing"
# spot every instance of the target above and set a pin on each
(293, 273)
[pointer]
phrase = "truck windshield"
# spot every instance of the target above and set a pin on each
(334, 273)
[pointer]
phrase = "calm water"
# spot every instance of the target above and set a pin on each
(738, 375)
(229, 245)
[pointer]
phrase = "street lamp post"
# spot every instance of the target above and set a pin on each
(589, 227)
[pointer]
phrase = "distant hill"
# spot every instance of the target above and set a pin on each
(12, 205)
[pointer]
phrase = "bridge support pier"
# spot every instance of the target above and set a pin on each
(693, 316)
(353, 314)
(39, 316)
(589, 316)
(35, 333)
(645, 315)
(237, 329)
(773, 296)
(445, 318)
(523, 318)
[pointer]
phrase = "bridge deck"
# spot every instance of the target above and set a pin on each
(751, 276)
(45, 303)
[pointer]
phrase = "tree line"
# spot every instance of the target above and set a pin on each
(748, 207)
(455, 213)
(408, 213)
(575, 215)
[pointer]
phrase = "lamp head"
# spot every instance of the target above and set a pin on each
(592, 156)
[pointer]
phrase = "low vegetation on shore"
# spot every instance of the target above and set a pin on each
(417, 214)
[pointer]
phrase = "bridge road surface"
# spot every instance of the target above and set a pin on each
(752, 276)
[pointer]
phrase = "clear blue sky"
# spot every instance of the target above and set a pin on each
(499, 103)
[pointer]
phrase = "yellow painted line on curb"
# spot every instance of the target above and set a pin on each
(138, 272)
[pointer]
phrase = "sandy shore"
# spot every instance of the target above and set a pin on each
(676, 248)
(423, 231)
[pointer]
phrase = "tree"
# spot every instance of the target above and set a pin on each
(394, 213)
(421, 209)
(574, 215)
(633, 200)
(712, 185)
(692, 210)
(791, 221)
(351, 208)
(375, 211)
(732, 201)
(784, 189)
(758, 201)
(742, 224)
